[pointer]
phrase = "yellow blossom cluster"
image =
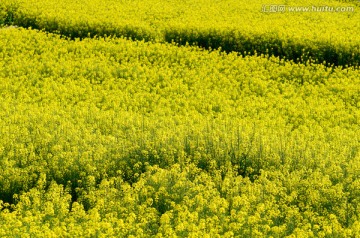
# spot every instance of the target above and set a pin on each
(109, 137)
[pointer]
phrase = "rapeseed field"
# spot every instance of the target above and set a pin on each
(131, 118)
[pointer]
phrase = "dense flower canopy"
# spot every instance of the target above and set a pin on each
(116, 137)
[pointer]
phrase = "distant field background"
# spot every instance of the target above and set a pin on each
(178, 119)
(232, 25)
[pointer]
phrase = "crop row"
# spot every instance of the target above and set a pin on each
(239, 26)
